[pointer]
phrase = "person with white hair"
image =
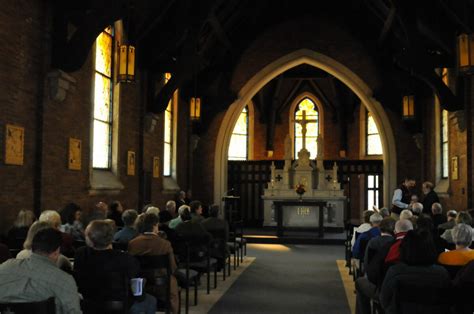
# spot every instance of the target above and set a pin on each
(359, 247)
(406, 214)
(417, 208)
(153, 210)
(401, 228)
(169, 212)
(462, 237)
(181, 210)
(54, 219)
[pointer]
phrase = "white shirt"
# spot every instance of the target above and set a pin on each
(397, 199)
(361, 229)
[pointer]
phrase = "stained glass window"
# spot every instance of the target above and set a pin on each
(238, 148)
(312, 127)
(103, 105)
(444, 144)
(373, 142)
(168, 135)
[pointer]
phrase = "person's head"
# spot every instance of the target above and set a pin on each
(384, 212)
(116, 207)
(418, 249)
(214, 211)
(366, 215)
(69, 213)
(409, 182)
(181, 195)
(462, 235)
(171, 207)
(406, 214)
(25, 218)
(189, 193)
(464, 218)
(34, 229)
(153, 210)
(403, 225)
(196, 207)
(427, 187)
(99, 234)
(424, 222)
(184, 212)
(417, 208)
(436, 209)
(414, 198)
(387, 225)
(129, 217)
(47, 243)
(52, 217)
(149, 224)
(451, 214)
(375, 219)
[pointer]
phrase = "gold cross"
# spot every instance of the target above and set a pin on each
(303, 123)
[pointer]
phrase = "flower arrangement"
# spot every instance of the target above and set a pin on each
(300, 189)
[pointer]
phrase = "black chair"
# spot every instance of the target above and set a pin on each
(107, 292)
(78, 243)
(156, 270)
(424, 299)
(239, 238)
(41, 307)
(464, 298)
(202, 261)
(219, 251)
(452, 270)
(121, 246)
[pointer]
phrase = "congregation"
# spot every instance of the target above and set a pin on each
(140, 260)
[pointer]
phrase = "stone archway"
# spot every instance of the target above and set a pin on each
(333, 67)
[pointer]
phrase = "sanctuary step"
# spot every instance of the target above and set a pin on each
(267, 235)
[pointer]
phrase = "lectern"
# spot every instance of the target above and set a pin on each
(231, 212)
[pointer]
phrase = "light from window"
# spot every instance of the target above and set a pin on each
(312, 127)
(103, 95)
(374, 144)
(444, 144)
(238, 148)
(168, 135)
(373, 191)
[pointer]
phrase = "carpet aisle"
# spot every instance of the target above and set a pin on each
(288, 279)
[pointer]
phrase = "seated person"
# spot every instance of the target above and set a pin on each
(17, 234)
(176, 221)
(451, 221)
(153, 210)
(417, 267)
(99, 257)
(365, 226)
(169, 212)
(437, 215)
(128, 232)
(37, 278)
(149, 243)
(71, 219)
(462, 217)
(417, 209)
(190, 229)
(62, 261)
(196, 211)
(54, 219)
(115, 213)
(359, 247)
(462, 237)
(401, 228)
(214, 223)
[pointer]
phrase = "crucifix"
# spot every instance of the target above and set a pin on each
(303, 123)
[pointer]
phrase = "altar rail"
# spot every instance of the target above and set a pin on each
(248, 178)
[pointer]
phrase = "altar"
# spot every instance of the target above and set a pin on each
(318, 185)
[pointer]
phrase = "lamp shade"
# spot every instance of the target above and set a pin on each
(408, 106)
(195, 108)
(465, 51)
(126, 63)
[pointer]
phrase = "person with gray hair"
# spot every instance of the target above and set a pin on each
(417, 208)
(182, 210)
(437, 215)
(169, 212)
(450, 220)
(129, 231)
(153, 210)
(359, 247)
(54, 219)
(384, 211)
(462, 237)
(462, 217)
(406, 214)
(98, 257)
(401, 228)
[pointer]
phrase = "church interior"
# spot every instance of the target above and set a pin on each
(309, 129)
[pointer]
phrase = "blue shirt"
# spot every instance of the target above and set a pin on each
(366, 236)
(125, 235)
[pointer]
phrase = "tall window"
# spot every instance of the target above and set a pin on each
(103, 96)
(373, 191)
(373, 142)
(238, 148)
(168, 135)
(444, 144)
(312, 127)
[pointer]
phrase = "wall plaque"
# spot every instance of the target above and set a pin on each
(14, 144)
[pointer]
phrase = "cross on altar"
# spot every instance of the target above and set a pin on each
(303, 123)
(328, 178)
(278, 177)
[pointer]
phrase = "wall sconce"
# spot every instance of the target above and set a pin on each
(408, 104)
(465, 50)
(195, 108)
(127, 64)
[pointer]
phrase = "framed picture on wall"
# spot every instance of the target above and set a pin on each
(14, 145)
(130, 163)
(75, 146)
(156, 167)
(455, 168)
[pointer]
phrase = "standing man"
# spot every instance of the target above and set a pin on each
(430, 197)
(402, 197)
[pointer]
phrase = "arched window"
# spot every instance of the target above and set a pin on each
(307, 108)
(239, 142)
(372, 137)
(168, 135)
(103, 100)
